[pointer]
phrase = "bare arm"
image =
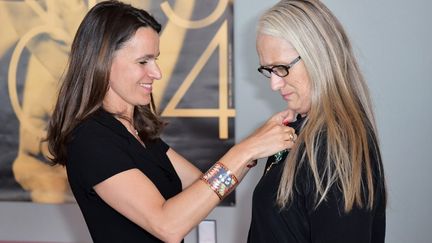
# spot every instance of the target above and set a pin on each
(187, 172)
(133, 194)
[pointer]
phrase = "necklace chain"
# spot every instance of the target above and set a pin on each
(134, 130)
(278, 157)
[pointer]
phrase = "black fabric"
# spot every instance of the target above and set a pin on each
(100, 148)
(301, 222)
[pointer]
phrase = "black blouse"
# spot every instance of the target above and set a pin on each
(301, 222)
(100, 148)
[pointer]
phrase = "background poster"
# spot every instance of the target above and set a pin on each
(195, 95)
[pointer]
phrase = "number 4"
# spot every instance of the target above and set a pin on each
(223, 112)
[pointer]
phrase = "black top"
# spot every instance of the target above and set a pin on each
(300, 222)
(100, 148)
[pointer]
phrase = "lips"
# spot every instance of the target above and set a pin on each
(286, 96)
(147, 87)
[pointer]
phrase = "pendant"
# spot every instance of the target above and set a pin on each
(279, 155)
(270, 166)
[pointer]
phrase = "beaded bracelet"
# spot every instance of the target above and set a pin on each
(220, 179)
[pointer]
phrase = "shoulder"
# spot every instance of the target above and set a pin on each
(99, 126)
(96, 152)
(97, 137)
(87, 129)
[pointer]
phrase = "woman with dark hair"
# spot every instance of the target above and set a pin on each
(129, 184)
(330, 186)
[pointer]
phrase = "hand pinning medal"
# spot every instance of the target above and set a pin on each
(281, 154)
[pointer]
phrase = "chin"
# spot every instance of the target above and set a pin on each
(144, 101)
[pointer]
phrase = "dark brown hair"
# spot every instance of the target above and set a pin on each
(105, 28)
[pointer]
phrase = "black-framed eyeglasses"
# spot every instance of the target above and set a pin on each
(279, 70)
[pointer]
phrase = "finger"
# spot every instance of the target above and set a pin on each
(280, 116)
(290, 135)
(290, 142)
(293, 138)
(290, 115)
(284, 117)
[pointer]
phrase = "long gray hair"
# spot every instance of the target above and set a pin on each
(340, 105)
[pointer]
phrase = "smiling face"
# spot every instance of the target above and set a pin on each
(295, 88)
(133, 71)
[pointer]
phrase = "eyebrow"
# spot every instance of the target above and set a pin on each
(290, 64)
(148, 56)
(272, 65)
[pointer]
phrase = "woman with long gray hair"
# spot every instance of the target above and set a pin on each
(329, 187)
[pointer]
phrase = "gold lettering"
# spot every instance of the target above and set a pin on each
(223, 112)
(172, 16)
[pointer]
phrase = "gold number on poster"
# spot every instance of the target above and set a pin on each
(223, 112)
(197, 24)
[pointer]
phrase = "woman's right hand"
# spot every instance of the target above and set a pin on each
(271, 137)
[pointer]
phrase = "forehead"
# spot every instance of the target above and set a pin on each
(145, 41)
(274, 50)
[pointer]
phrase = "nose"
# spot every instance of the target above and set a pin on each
(155, 72)
(276, 82)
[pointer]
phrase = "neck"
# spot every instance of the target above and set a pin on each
(120, 112)
(113, 103)
(129, 124)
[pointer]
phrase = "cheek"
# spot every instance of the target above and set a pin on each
(124, 75)
(306, 88)
(116, 72)
(306, 97)
(140, 72)
(134, 73)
